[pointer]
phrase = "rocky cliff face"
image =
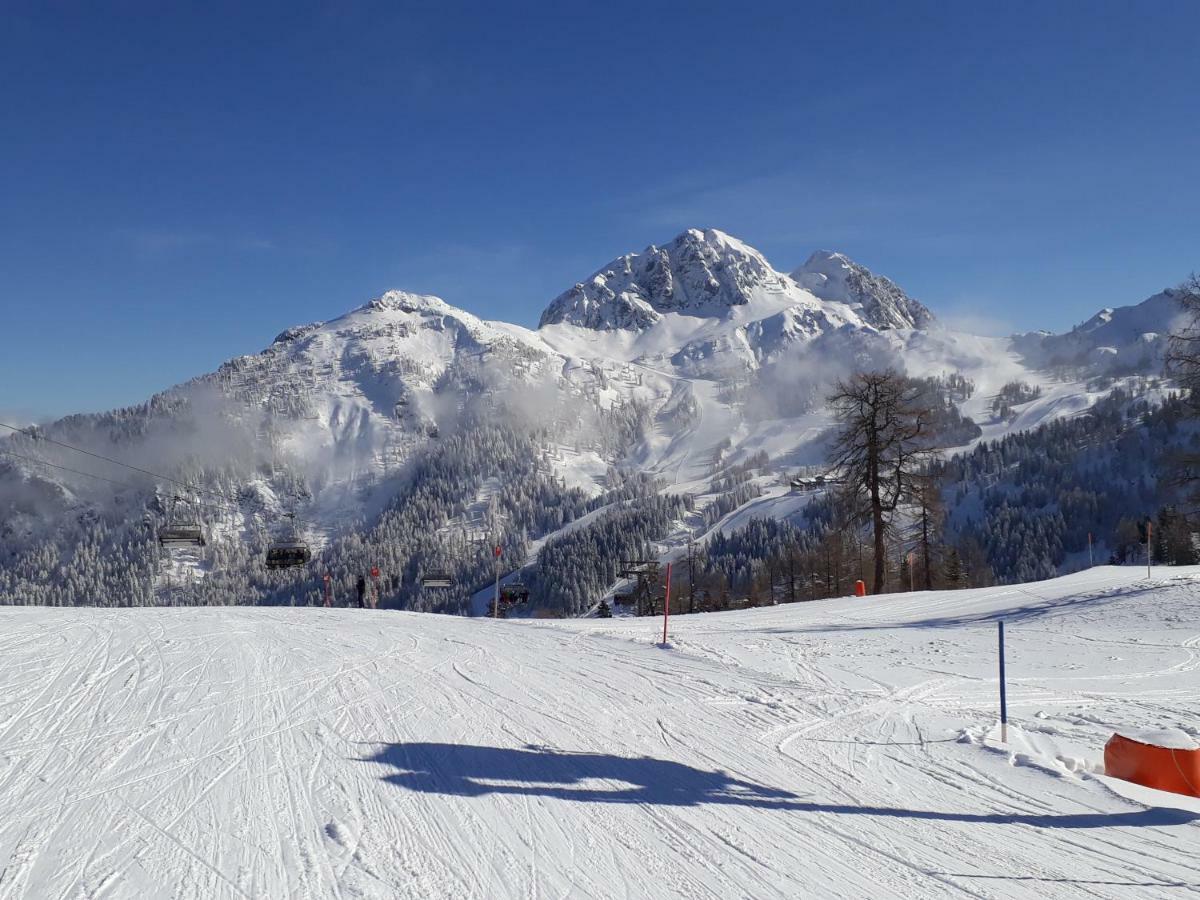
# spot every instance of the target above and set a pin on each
(700, 273)
(880, 301)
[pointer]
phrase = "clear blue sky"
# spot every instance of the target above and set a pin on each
(180, 182)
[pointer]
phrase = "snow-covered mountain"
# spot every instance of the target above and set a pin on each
(1114, 341)
(700, 273)
(880, 301)
(708, 274)
(675, 362)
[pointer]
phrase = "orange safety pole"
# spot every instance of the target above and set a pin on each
(667, 605)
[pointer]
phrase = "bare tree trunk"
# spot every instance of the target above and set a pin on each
(925, 554)
(877, 523)
(880, 549)
(792, 575)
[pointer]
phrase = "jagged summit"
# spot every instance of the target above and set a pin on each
(384, 315)
(700, 272)
(405, 301)
(708, 273)
(880, 301)
(296, 333)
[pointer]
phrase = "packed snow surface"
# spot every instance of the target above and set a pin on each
(843, 748)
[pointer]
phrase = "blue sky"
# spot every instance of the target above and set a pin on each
(182, 182)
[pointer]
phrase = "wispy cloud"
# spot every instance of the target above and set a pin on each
(818, 208)
(21, 418)
(492, 279)
(965, 316)
(838, 198)
(158, 242)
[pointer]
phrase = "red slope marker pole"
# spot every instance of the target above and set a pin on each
(328, 599)
(666, 605)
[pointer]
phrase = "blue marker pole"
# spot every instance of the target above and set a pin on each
(1003, 695)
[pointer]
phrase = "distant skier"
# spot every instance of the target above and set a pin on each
(362, 592)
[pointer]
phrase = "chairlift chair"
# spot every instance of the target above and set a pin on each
(180, 530)
(181, 536)
(513, 593)
(290, 552)
(437, 579)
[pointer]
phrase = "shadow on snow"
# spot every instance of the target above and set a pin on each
(1044, 608)
(459, 770)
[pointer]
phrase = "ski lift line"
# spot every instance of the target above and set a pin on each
(124, 484)
(42, 462)
(117, 462)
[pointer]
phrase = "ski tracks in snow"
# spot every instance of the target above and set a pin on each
(813, 750)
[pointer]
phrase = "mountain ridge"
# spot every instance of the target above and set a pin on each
(672, 365)
(708, 273)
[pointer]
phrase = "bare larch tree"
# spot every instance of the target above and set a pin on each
(882, 447)
(928, 515)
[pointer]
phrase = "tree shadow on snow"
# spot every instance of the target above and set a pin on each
(460, 770)
(468, 771)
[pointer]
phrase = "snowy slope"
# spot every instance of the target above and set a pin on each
(1114, 341)
(836, 749)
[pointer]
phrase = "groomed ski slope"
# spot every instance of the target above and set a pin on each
(830, 749)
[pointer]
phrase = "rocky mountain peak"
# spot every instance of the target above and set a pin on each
(880, 301)
(702, 272)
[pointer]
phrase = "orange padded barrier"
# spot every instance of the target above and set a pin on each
(1177, 771)
(860, 589)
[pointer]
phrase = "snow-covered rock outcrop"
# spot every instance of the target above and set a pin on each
(700, 273)
(879, 300)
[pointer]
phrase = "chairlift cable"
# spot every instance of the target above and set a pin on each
(116, 462)
(124, 484)
(42, 462)
(285, 554)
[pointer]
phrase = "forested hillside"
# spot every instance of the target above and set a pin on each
(1032, 498)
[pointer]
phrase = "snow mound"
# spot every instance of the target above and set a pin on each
(1170, 738)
